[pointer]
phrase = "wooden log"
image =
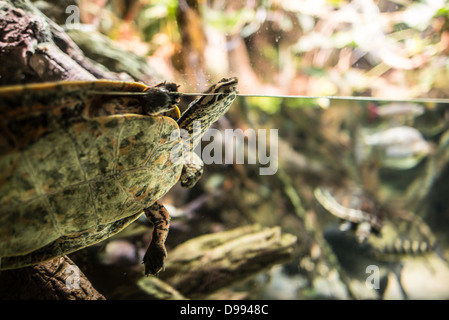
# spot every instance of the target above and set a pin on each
(57, 279)
(35, 49)
(214, 261)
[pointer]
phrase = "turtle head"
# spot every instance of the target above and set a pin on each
(199, 116)
(217, 99)
(210, 106)
(221, 89)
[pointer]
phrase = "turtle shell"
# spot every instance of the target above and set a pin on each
(77, 167)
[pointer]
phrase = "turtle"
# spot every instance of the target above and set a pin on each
(356, 210)
(402, 233)
(81, 160)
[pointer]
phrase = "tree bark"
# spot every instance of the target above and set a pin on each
(35, 49)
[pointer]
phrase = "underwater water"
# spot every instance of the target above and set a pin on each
(360, 184)
(301, 198)
(368, 182)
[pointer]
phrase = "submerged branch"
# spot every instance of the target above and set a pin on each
(205, 264)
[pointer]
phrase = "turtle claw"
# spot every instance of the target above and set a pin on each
(154, 259)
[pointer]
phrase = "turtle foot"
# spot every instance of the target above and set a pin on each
(154, 259)
(191, 173)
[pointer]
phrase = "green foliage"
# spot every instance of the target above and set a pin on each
(389, 49)
(270, 106)
(443, 11)
(158, 16)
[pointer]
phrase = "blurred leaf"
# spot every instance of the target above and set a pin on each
(270, 106)
(158, 17)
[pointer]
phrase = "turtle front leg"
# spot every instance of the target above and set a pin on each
(154, 258)
(192, 170)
